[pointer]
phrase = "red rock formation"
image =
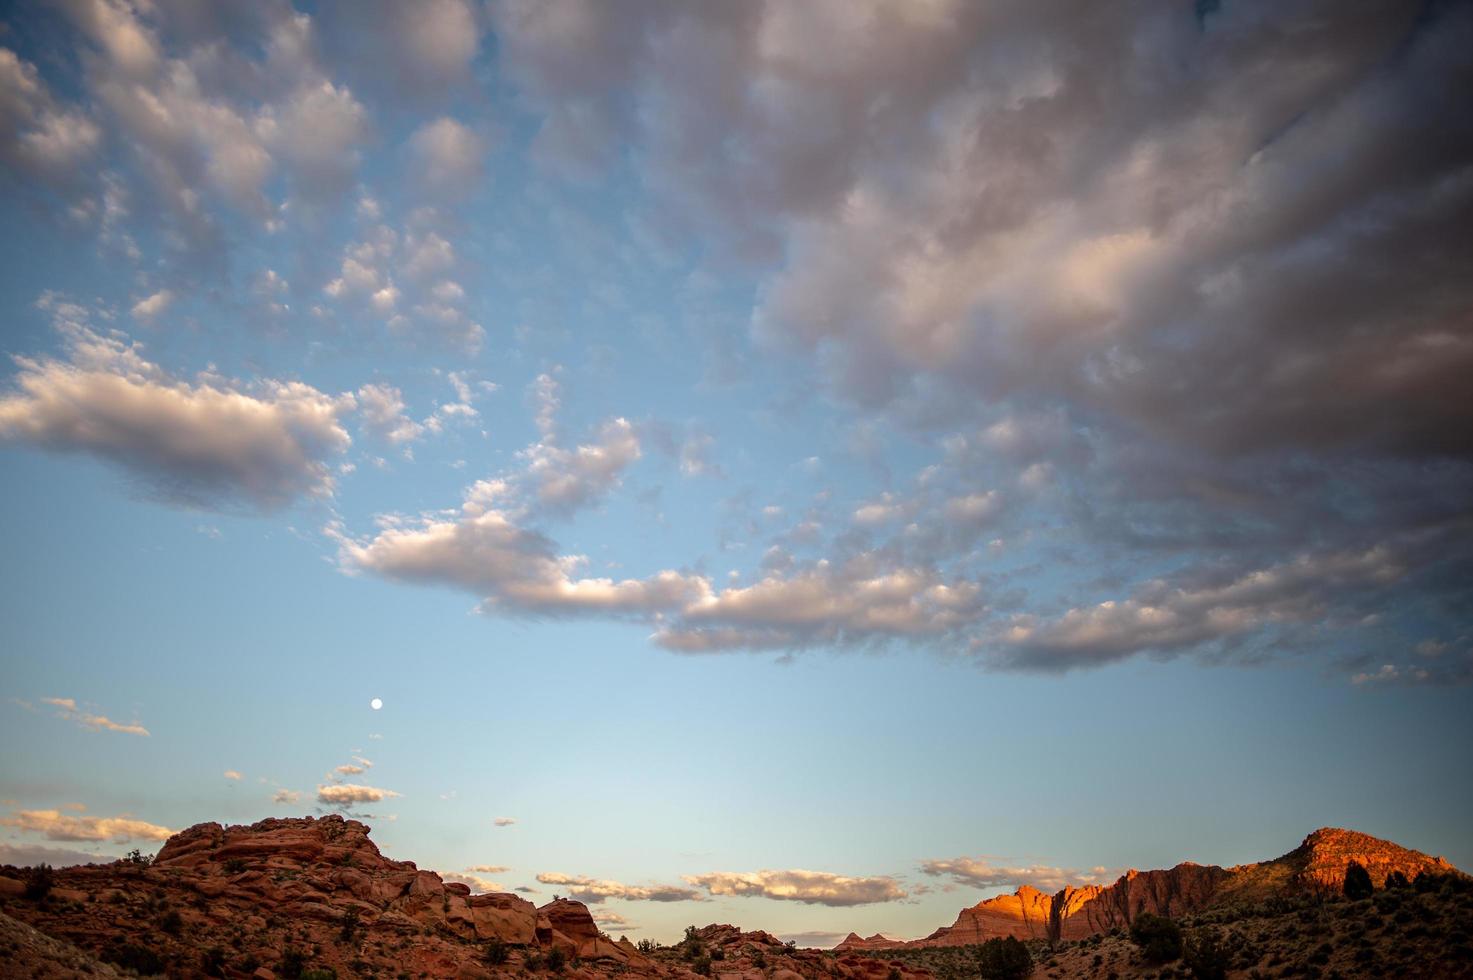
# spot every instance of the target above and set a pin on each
(1318, 863)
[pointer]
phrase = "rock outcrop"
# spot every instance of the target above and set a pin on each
(1317, 865)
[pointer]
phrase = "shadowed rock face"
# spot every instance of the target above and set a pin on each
(1318, 864)
(239, 898)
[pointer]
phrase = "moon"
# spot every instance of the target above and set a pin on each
(376, 703)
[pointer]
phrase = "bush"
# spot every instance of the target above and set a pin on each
(235, 866)
(320, 973)
(496, 952)
(645, 946)
(350, 925)
(38, 883)
(702, 965)
(555, 959)
(1357, 882)
(138, 858)
(1397, 879)
(292, 962)
(1004, 959)
(172, 923)
(1204, 955)
(140, 959)
(1158, 937)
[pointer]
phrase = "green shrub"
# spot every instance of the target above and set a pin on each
(702, 965)
(1004, 959)
(1397, 879)
(1205, 956)
(172, 923)
(292, 962)
(1158, 937)
(38, 883)
(1357, 882)
(555, 959)
(235, 866)
(320, 973)
(496, 952)
(140, 959)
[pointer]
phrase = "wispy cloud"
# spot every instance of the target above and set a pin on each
(67, 708)
(798, 885)
(55, 825)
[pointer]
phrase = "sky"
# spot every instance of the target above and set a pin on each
(806, 465)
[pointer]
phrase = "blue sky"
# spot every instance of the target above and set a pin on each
(811, 466)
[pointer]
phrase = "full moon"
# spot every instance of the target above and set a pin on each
(376, 703)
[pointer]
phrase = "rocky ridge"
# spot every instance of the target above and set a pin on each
(1316, 865)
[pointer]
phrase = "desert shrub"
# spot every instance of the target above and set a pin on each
(1158, 937)
(137, 857)
(140, 959)
(350, 925)
(235, 866)
(172, 923)
(1397, 879)
(1004, 959)
(292, 962)
(555, 959)
(718, 953)
(320, 973)
(212, 962)
(645, 946)
(702, 965)
(532, 961)
(496, 952)
(894, 974)
(1357, 882)
(1205, 956)
(38, 883)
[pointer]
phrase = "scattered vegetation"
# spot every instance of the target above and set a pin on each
(1004, 959)
(1158, 937)
(38, 883)
(496, 953)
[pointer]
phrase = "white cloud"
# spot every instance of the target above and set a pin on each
(504, 821)
(448, 157)
(487, 869)
(797, 885)
(593, 891)
(67, 708)
(981, 872)
(233, 774)
(382, 408)
(286, 796)
(212, 443)
(477, 884)
(346, 794)
(55, 825)
(150, 307)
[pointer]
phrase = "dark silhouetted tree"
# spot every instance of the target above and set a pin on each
(1004, 959)
(1204, 955)
(1397, 879)
(1158, 937)
(1357, 882)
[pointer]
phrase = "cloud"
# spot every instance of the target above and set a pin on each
(477, 884)
(448, 157)
(594, 891)
(234, 775)
(349, 770)
(286, 797)
(382, 408)
(149, 308)
(610, 921)
(347, 794)
(981, 872)
(55, 825)
(488, 869)
(40, 137)
(808, 887)
(67, 708)
(504, 821)
(212, 444)
(30, 855)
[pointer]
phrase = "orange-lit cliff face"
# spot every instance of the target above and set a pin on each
(1318, 863)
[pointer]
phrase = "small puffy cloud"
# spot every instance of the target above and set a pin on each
(382, 409)
(233, 775)
(148, 308)
(212, 443)
(476, 883)
(448, 157)
(55, 825)
(610, 921)
(594, 891)
(284, 797)
(349, 770)
(347, 794)
(487, 869)
(30, 855)
(981, 872)
(67, 708)
(504, 821)
(317, 131)
(797, 885)
(567, 479)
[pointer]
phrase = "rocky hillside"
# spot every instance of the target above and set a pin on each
(1315, 866)
(284, 898)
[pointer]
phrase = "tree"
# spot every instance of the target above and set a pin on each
(1397, 879)
(38, 883)
(1158, 937)
(1357, 882)
(1204, 955)
(1004, 959)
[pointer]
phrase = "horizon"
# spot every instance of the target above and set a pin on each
(813, 467)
